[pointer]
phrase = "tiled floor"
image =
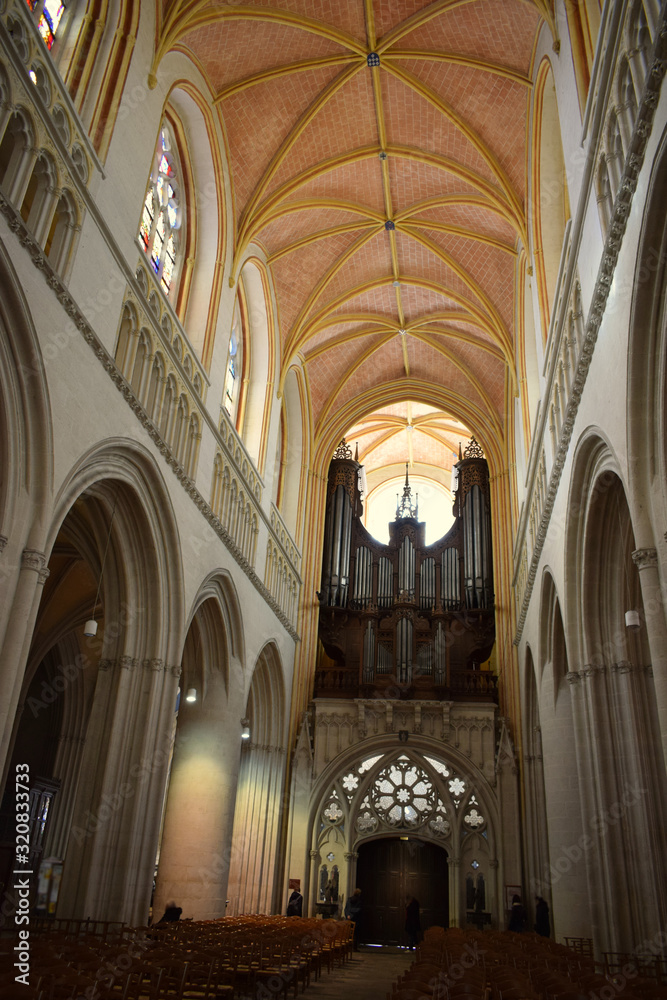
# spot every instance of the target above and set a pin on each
(368, 975)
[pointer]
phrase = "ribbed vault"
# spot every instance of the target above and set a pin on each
(378, 157)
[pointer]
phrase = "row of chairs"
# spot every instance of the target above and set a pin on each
(456, 964)
(257, 957)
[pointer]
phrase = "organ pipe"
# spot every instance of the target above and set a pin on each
(391, 613)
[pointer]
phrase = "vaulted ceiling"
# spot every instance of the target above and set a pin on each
(378, 154)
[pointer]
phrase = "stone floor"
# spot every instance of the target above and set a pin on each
(368, 975)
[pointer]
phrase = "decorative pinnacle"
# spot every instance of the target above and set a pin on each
(404, 506)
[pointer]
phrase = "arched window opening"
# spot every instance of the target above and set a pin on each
(615, 157)
(281, 449)
(42, 182)
(234, 365)
(605, 199)
(192, 446)
(162, 215)
(627, 100)
(61, 233)
(155, 387)
(550, 197)
(14, 150)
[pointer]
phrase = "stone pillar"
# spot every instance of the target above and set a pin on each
(454, 865)
(197, 837)
(314, 873)
(17, 640)
(653, 597)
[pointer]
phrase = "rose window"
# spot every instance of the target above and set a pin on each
(403, 794)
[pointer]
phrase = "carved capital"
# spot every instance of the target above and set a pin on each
(645, 558)
(32, 559)
(3, 542)
(106, 664)
(624, 667)
(127, 663)
(154, 665)
(175, 670)
(590, 671)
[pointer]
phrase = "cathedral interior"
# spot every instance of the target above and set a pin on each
(333, 459)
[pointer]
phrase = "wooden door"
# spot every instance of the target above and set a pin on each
(390, 869)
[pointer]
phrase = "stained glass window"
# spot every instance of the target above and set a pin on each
(234, 369)
(49, 19)
(403, 794)
(161, 218)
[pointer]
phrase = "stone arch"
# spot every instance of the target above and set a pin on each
(17, 141)
(537, 838)
(566, 875)
(618, 697)
(293, 456)
(258, 362)
(254, 881)
(647, 421)
(37, 202)
(194, 855)
(26, 434)
(191, 120)
(62, 232)
(350, 825)
(550, 206)
(113, 556)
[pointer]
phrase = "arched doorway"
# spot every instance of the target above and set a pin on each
(388, 870)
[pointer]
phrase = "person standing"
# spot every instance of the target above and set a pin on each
(517, 915)
(295, 904)
(542, 925)
(412, 922)
(353, 912)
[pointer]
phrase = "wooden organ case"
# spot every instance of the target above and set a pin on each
(406, 620)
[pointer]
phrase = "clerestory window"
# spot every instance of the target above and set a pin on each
(49, 14)
(162, 216)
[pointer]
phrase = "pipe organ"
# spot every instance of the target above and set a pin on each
(406, 619)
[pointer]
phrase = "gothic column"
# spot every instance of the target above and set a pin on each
(653, 598)
(635, 811)
(454, 865)
(18, 637)
(197, 839)
(314, 878)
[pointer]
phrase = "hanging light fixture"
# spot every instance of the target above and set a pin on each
(90, 628)
(245, 730)
(191, 695)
